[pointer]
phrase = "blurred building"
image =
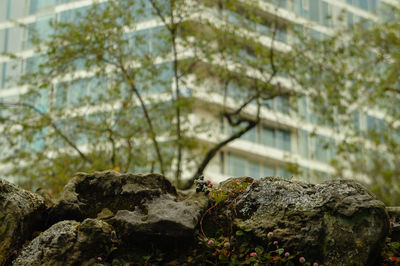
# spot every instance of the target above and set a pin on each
(281, 139)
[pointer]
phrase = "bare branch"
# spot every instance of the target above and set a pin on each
(53, 125)
(146, 114)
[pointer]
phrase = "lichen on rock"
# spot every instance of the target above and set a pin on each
(337, 222)
(69, 243)
(21, 214)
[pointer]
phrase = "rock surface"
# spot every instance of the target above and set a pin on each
(337, 222)
(133, 204)
(162, 216)
(21, 213)
(143, 219)
(86, 195)
(70, 243)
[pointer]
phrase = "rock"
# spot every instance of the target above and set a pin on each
(86, 195)
(21, 214)
(337, 222)
(147, 213)
(146, 205)
(165, 215)
(70, 243)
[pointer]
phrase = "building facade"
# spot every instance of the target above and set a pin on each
(286, 134)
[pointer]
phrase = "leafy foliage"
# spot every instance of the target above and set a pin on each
(103, 93)
(349, 77)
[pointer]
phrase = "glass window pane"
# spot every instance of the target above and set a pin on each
(251, 135)
(12, 73)
(17, 9)
(282, 104)
(321, 153)
(3, 10)
(139, 42)
(356, 121)
(163, 81)
(77, 92)
(263, 29)
(303, 143)
(236, 165)
(371, 123)
(2, 40)
(326, 14)
(160, 40)
(283, 140)
(254, 170)
(314, 10)
(268, 170)
(2, 75)
(268, 136)
(61, 96)
(140, 10)
(281, 35)
(284, 173)
(364, 4)
(350, 19)
(14, 39)
(97, 87)
(38, 5)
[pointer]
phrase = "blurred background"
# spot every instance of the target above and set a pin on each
(302, 89)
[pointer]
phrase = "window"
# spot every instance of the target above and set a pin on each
(369, 5)
(305, 4)
(236, 165)
(315, 10)
(163, 80)
(268, 136)
(356, 121)
(61, 96)
(241, 166)
(282, 104)
(4, 11)
(16, 9)
(268, 170)
(350, 19)
(11, 73)
(3, 40)
(14, 38)
(77, 92)
(251, 135)
(321, 148)
(160, 43)
(2, 75)
(277, 138)
(253, 169)
(281, 35)
(37, 5)
(303, 137)
(283, 140)
(301, 7)
(318, 147)
(139, 41)
(284, 173)
(141, 10)
(41, 27)
(97, 87)
(279, 103)
(326, 14)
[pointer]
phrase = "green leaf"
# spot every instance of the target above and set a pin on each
(239, 233)
(259, 250)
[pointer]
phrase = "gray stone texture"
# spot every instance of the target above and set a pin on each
(21, 214)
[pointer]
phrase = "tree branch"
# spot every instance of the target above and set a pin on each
(147, 116)
(172, 28)
(54, 126)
